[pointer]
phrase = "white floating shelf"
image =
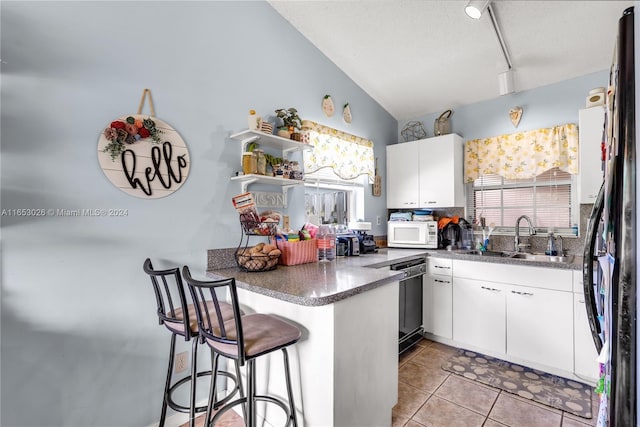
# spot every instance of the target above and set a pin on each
(269, 140)
(285, 184)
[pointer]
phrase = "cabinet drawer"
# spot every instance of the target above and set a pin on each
(439, 266)
(540, 277)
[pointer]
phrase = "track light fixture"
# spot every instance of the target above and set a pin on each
(475, 8)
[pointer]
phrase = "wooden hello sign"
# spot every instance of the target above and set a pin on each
(143, 156)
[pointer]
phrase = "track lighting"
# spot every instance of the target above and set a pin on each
(475, 8)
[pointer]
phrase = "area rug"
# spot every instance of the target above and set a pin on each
(557, 392)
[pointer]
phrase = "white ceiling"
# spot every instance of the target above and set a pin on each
(417, 57)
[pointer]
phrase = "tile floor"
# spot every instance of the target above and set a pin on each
(429, 396)
(432, 397)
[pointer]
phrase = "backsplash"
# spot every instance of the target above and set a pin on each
(571, 245)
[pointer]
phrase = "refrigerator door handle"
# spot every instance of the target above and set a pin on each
(587, 268)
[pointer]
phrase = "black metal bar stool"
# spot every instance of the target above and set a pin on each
(242, 339)
(180, 318)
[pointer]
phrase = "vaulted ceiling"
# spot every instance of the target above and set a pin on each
(417, 57)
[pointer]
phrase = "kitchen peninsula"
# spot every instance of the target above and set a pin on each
(345, 367)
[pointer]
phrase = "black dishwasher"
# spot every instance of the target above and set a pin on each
(410, 302)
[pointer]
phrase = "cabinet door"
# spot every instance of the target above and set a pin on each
(540, 326)
(402, 175)
(441, 178)
(479, 314)
(438, 306)
(590, 133)
(585, 354)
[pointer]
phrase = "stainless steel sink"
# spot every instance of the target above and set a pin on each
(542, 257)
(525, 256)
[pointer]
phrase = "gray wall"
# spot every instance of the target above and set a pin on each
(545, 106)
(80, 341)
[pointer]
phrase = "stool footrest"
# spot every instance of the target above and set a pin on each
(185, 409)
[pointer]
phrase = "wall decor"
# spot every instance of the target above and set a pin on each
(346, 113)
(515, 114)
(143, 155)
(327, 106)
(413, 131)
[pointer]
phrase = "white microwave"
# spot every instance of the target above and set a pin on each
(412, 234)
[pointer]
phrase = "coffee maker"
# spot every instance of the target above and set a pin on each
(367, 244)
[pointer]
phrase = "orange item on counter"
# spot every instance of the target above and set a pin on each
(444, 221)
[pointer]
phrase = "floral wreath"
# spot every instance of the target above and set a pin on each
(129, 131)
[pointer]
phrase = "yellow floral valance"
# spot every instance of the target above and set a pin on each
(348, 155)
(523, 155)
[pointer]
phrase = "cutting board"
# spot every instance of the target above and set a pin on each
(376, 189)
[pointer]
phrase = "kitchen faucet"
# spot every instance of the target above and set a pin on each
(532, 231)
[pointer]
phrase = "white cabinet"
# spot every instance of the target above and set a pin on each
(585, 354)
(516, 312)
(479, 314)
(441, 179)
(425, 173)
(402, 175)
(591, 122)
(437, 306)
(540, 326)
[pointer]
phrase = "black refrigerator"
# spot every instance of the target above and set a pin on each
(610, 247)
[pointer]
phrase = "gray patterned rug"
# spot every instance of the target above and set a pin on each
(551, 390)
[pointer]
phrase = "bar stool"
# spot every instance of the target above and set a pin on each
(242, 339)
(172, 306)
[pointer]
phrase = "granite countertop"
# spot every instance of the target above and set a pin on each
(322, 283)
(575, 264)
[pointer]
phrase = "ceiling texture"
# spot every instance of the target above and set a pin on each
(417, 57)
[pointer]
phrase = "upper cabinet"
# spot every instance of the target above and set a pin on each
(591, 124)
(403, 175)
(425, 173)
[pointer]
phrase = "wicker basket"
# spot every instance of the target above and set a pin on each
(253, 262)
(294, 253)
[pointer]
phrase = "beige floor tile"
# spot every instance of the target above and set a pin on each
(421, 377)
(412, 423)
(492, 423)
(409, 354)
(431, 357)
(444, 348)
(571, 422)
(398, 421)
(517, 412)
(410, 399)
(438, 412)
(467, 393)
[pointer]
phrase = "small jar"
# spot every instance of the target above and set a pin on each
(249, 163)
(261, 162)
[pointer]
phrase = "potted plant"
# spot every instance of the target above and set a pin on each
(291, 123)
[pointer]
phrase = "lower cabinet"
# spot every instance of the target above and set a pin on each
(540, 326)
(437, 306)
(525, 313)
(479, 314)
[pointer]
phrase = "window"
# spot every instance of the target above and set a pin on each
(336, 173)
(548, 199)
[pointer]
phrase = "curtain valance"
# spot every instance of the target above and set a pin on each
(348, 155)
(523, 155)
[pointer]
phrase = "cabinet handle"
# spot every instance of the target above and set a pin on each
(580, 301)
(441, 281)
(522, 293)
(490, 289)
(441, 266)
(432, 202)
